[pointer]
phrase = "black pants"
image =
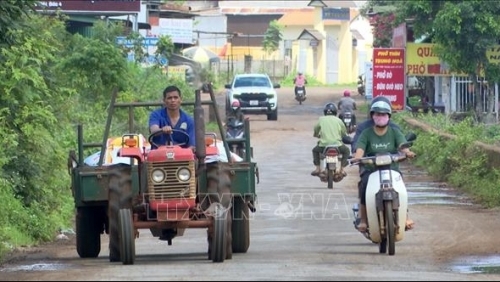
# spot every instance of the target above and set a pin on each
(353, 118)
(317, 151)
(363, 183)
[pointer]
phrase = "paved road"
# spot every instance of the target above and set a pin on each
(301, 230)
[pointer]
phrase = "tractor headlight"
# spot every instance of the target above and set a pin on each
(183, 174)
(158, 175)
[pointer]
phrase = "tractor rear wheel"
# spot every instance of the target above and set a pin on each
(240, 226)
(127, 236)
(89, 225)
(219, 192)
(120, 197)
(219, 239)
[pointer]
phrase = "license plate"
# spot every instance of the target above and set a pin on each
(254, 103)
(331, 160)
(300, 92)
(347, 120)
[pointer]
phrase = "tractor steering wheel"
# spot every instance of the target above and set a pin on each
(170, 141)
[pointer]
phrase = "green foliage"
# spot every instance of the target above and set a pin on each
(457, 161)
(311, 82)
(11, 13)
(463, 31)
(50, 81)
(272, 37)
(165, 47)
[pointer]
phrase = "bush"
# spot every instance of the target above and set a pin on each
(458, 161)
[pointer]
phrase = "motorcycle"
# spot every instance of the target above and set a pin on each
(235, 129)
(331, 165)
(347, 119)
(386, 201)
(300, 93)
(361, 86)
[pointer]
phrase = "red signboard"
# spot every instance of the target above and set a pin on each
(389, 75)
(91, 5)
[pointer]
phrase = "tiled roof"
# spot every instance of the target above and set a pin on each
(356, 34)
(302, 17)
(313, 33)
(340, 4)
(260, 11)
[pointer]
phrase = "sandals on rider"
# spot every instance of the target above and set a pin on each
(409, 224)
(315, 173)
(362, 227)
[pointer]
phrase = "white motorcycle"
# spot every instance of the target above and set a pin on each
(386, 201)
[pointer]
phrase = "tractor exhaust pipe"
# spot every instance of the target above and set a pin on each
(199, 125)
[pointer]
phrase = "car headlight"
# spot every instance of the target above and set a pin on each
(158, 175)
(183, 174)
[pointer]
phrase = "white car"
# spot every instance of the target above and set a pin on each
(256, 93)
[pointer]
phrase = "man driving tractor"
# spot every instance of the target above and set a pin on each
(172, 120)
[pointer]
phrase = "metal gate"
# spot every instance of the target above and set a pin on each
(464, 99)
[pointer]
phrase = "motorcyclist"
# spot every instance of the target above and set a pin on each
(300, 81)
(330, 130)
(235, 112)
(369, 123)
(380, 138)
(347, 104)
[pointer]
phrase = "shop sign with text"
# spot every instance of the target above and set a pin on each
(389, 75)
(422, 60)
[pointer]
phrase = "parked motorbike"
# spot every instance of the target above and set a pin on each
(235, 130)
(361, 86)
(300, 94)
(331, 165)
(347, 119)
(386, 201)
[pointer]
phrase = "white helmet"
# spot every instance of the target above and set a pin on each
(381, 107)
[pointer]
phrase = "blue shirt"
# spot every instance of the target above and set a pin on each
(185, 123)
(364, 125)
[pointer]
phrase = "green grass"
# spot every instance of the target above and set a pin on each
(312, 82)
(212, 127)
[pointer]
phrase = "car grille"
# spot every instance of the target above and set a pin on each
(253, 96)
(171, 187)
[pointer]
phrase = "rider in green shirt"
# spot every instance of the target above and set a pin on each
(380, 138)
(329, 129)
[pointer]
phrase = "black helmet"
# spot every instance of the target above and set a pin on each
(330, 109)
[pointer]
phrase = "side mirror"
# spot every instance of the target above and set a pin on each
(347, 139)
(227, 86)
(410, 137)
(277, 85)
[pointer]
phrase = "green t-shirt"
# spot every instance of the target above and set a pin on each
(374, 144)
(330, 130)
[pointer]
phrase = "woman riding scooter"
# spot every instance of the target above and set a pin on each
(380, 138)
(300, 82)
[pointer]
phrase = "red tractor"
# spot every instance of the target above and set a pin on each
(166, 190)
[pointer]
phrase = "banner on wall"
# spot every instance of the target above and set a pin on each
(389, 75)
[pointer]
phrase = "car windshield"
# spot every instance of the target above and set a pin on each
(248, 81)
